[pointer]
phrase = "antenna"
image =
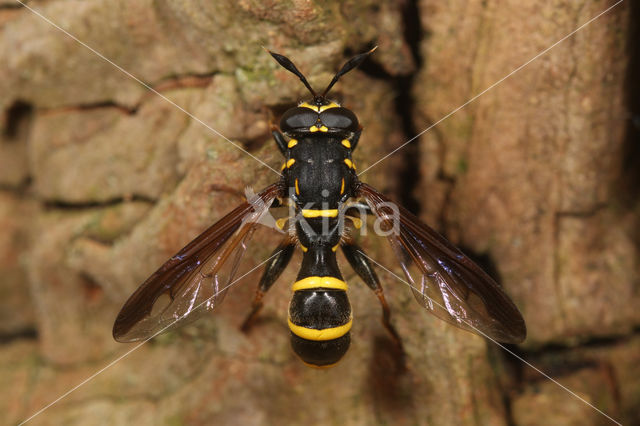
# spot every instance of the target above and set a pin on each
(288, 65)
(351, 64)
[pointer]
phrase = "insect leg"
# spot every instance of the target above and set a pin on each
(355, 139)
(280, 141)
(360, 263)
(356, 210)
(279, 260)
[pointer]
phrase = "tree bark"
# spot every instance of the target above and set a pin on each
(106, 170)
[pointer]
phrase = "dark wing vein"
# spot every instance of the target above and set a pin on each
(194, 280)
(448, 284)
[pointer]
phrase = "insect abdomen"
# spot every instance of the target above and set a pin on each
(320, 320)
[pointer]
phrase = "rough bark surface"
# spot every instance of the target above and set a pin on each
(102, 180)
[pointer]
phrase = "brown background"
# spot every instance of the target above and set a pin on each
(102, 180)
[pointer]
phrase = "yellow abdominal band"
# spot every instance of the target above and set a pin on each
(319, 282)
(324, 334)
(319, 213)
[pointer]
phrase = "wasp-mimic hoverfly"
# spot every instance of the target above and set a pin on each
(320, 182)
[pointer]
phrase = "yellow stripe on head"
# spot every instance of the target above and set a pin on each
(318, 108)
(317, 282)
(331, 105)
(320, 335)
(308, 105)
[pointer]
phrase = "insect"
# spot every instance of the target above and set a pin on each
(320, 182)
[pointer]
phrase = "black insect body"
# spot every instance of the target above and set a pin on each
(320, 182)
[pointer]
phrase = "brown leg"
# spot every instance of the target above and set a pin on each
(386, 318)
(279, 260)
(256, 306)
(360, 263)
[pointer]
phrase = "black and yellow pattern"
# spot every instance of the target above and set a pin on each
(320, 320)
(319, 312)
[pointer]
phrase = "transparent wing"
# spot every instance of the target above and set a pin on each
(445, 281)
(196, 279)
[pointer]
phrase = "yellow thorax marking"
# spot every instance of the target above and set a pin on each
(304, 249)
(287, 164)
(346, 143)
(297, 188)
(357, 222)
(349, 163)
(281, 222)
(315, 282)
(324, 334)
(342, 187)
(292, 143)
(319, 213)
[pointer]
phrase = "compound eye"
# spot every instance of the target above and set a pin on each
(339, 118)
(297, 119)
